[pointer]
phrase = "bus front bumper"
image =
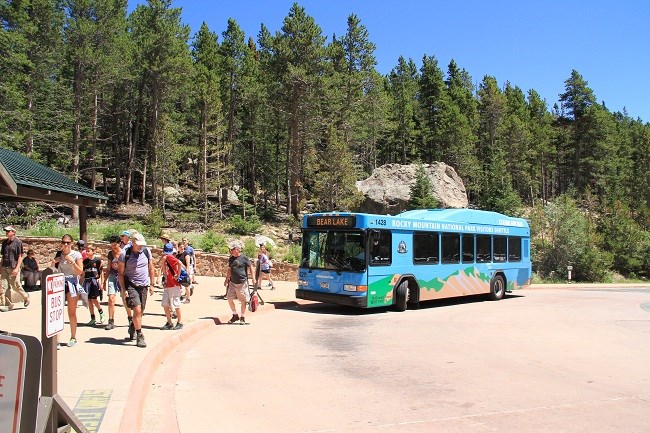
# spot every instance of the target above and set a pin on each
(332, 298)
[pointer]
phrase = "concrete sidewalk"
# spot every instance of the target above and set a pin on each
(104, 373)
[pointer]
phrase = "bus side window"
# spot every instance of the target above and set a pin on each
(483, 249)
(500, 249)
(468, 248)
(425, 248)
(380, 247)
(450, 248)
(514, 249)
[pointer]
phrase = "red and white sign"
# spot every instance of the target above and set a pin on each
(12, 381)
(55, 303)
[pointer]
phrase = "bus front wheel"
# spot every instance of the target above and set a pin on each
(497, 288)
(401, 296)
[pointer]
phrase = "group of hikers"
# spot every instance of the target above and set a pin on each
(131, 273)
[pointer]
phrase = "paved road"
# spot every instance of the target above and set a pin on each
(541, 361)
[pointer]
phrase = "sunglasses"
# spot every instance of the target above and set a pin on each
(66, 242)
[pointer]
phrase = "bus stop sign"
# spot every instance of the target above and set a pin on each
(55, 302)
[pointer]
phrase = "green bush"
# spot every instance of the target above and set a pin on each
(212, 242)
(153, 224)
(49, 228)
(563, 236)
(293, 254)
(628, 242)
(244, 226)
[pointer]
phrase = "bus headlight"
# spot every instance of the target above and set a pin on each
(302, 282)
(354, 288)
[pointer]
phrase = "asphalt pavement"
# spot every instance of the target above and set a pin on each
(105, 378)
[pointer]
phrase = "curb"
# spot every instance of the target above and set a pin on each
(132, 420)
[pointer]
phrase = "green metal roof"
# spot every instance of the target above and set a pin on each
(21, 178)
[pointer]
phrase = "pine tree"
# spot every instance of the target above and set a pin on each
(403, 89)
(421, 196)
(205, 56)
(433, 101)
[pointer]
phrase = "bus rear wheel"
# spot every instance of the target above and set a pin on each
(401, 296)
(497, 288)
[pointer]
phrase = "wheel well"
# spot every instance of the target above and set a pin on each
(505, 280)
(414, 288)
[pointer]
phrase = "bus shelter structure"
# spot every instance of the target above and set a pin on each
(23, 180)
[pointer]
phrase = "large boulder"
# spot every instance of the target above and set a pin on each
(388, 189)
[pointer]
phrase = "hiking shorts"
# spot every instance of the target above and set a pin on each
(171, 297)
(237, 291)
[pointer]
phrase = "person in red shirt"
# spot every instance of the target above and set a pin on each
(170, 267)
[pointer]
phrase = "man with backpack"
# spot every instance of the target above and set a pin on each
(136, 276)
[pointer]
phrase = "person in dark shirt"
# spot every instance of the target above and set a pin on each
(92, 283)
(31, 273)
(237, 279)
(12, 256)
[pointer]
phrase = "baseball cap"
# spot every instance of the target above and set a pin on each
(81, 242)
(168, 248)
(10, 229)
(235, 244)
(126, 233)
(138, 239)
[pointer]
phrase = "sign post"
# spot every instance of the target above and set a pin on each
(53, 412)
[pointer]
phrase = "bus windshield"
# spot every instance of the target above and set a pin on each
(332, 249)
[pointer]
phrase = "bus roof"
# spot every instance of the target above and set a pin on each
(464, 216)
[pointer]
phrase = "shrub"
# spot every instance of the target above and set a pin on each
(244, 226)
(212, 242)
(49, 228)
(565, 236)
(293, 254)
(153, 224)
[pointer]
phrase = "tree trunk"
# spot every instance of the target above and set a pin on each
(294, 160)
(153, 145)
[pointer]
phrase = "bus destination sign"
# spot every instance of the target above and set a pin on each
(331, 221)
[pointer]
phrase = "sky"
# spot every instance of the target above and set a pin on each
(532, 44)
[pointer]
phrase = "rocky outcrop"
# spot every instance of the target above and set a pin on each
(388, 189)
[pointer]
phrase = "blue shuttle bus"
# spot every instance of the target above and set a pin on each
(366, 260)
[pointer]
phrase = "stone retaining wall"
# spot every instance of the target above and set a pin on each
(207, 264)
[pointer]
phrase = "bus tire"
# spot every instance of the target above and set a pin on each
(497, 288)
(401, 296)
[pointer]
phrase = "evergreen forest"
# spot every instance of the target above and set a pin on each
(130, 103)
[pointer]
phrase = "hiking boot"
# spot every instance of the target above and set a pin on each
(131, 330)
(234, 318)
(167, 326)
(140, 342)
(91, 323)
(110, 325)
(178, 326)
(26, 303)
(72, 342)
(102, 317)
(242, 321)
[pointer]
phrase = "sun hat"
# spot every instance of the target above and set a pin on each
(138, 239)
(168, 248)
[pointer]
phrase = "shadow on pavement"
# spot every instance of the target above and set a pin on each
(323, 308)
